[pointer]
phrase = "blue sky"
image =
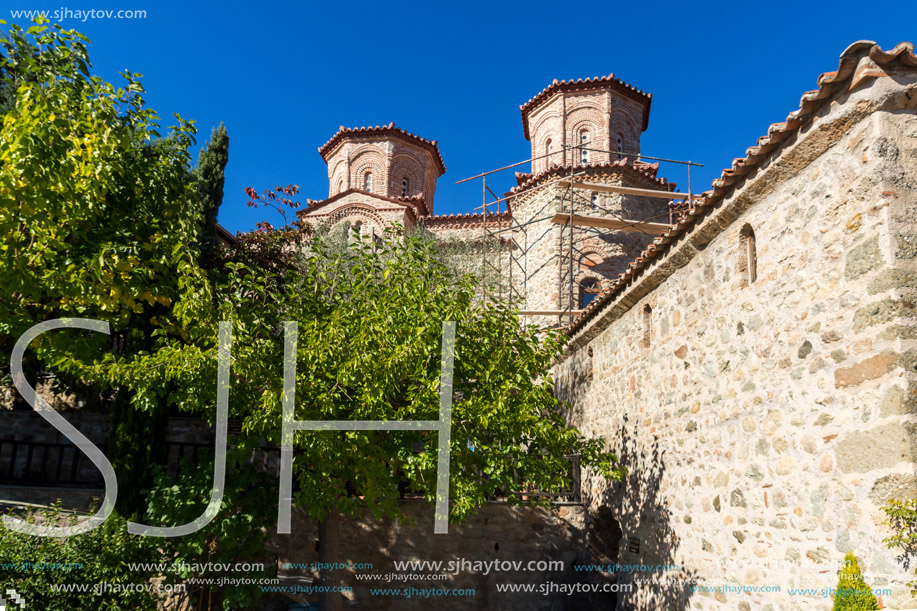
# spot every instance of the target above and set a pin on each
(284, 76)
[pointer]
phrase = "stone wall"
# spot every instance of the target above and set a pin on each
(498, 532)
(764, 424)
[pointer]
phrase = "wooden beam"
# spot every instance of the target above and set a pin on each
(625, 190)
(549, 312)
(563, 218)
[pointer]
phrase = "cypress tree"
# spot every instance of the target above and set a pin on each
(209, 174)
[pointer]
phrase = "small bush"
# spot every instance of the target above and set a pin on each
(40, 569)
(853, 593)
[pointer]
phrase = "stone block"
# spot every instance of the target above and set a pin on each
(863, 258)
(878, 448)
(867, 369)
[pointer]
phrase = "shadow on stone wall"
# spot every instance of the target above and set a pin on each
(633, 516)
(498, 532)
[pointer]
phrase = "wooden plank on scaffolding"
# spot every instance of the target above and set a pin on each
(563, 218)
(625, 190)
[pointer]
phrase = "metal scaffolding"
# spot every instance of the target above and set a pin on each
(495, 235)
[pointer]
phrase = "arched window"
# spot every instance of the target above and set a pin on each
(749, 252)
(589, 289)
(583, 141)
(619, 143)
(548, 149)
(405, 186)
(368, 182)
(647, 324)
(340, 185)
(594, 201)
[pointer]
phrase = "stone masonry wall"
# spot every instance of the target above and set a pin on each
(497, 532)
(764, 425)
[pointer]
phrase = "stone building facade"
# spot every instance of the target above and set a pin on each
(587, 130)
(754, 366)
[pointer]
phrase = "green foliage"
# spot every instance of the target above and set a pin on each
(33, 566)
(79, 157)
(853, 593)
(98, 219)
(902, 519)
(233, 536)
(370, 320)
(209, 174)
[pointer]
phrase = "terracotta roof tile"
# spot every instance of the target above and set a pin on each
(646, 171)
(415, 202)
(382, 131)
(829, 84)
(453, 221)
(597, 82)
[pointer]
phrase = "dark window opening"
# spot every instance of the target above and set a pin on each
(750, 254)
(647, 324)
(589, 290)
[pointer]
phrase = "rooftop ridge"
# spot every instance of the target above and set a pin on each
(379, 130)
(588, 83)
(647, 170)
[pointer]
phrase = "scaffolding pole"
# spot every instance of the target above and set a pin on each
(517, 255)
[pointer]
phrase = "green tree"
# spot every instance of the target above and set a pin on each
(209, 174)
(98, 219)
(902, 519)
(37, 567)
(370, 320)
(235, 534)
(853, 593)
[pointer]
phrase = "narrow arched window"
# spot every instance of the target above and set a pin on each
(548, 146)
(647, 325)
(589, 289)
(594, 201)
(368, 182)
(749, 252)
(583, 141)
(619, 143)
(340, 185)
(405, 186)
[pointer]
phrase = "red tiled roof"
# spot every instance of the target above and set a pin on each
(645, 171)
(453, 221)
(829, 84)
(415, 202)
(382, 131)
(597, 82)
